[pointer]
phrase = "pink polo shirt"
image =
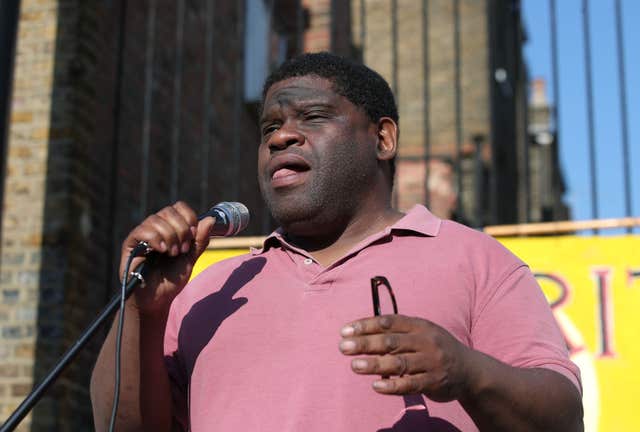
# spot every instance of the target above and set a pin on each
(252, 342)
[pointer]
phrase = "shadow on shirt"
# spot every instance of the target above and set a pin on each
(205, 317)
(416, 418)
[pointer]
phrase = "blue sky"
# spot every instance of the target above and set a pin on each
(573, 137)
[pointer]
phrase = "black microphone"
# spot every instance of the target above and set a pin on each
(230, 218)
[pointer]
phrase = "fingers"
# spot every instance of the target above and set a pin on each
(171, 230)
(410, 384)
(203, 234)
(384, 343)
(187, 213)
(386, 334)
(389, 365)
(379, 324)
(163, 235)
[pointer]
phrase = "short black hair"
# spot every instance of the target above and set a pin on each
(363, 87)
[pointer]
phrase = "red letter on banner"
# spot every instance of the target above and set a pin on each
(574, 344)
(605, 311)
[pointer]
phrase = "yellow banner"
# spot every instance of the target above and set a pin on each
(593, 286)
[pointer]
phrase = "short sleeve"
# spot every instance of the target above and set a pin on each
(514, 324)
(177, 373)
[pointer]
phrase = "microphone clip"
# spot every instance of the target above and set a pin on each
(141, 249)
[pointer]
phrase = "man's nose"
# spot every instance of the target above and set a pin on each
(287, 135)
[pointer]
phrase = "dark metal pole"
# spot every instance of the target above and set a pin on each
(114, 180)
(478, 182)
(556, 87)
(237, 101)
(458, 103)
(177, 101)
(333, 38)
(148, 103)
(207, 105)
(425, 99)
(590, 117)
(266, 217)
(363, 27)
(394, 48)
(394, 69)
(493, 177)
(299, 27)
(626, 171)
(521, 136)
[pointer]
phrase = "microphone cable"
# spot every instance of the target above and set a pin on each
(141, 248)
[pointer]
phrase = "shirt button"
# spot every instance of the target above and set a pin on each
(308, 261)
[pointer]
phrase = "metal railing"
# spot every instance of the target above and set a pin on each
(510, 188)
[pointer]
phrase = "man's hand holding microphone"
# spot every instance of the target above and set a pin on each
(177, 237)
(171, 240)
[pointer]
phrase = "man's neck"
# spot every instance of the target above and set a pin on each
(328, 249)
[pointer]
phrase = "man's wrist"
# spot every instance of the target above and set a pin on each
(477, 372)
(160, 314)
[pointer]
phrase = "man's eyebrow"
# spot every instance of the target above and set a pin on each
(305, 100)
(296, 105)
(317, 104)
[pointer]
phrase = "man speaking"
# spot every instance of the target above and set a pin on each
(283, 338)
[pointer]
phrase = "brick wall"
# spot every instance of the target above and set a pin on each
(22, 230)
(318, 36)
(474, 96)
(55, 244)
(119, 108)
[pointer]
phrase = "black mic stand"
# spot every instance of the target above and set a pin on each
(32, 398)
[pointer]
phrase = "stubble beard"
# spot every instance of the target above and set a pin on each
(324, 203)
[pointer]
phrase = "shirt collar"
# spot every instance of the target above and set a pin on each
(273, 239)
(419, 219)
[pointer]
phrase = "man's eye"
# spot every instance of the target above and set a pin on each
(315, 116)
(269, 129)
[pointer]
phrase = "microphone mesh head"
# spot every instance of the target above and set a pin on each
(237, 214)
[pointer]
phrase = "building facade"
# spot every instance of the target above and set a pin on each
(457, 70)
(117, 108)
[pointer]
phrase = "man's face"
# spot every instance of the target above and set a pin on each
(317, 156)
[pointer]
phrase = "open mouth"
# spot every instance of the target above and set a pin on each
(288, 170)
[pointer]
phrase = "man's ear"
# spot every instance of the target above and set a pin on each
(387, 139)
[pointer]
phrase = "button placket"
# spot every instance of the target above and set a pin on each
(310, 269)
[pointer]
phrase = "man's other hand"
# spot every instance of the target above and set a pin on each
(411, 355)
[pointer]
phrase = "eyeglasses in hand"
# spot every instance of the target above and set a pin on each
(375, 283)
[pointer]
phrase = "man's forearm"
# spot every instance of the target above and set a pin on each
(505, 398)
(145, 395)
